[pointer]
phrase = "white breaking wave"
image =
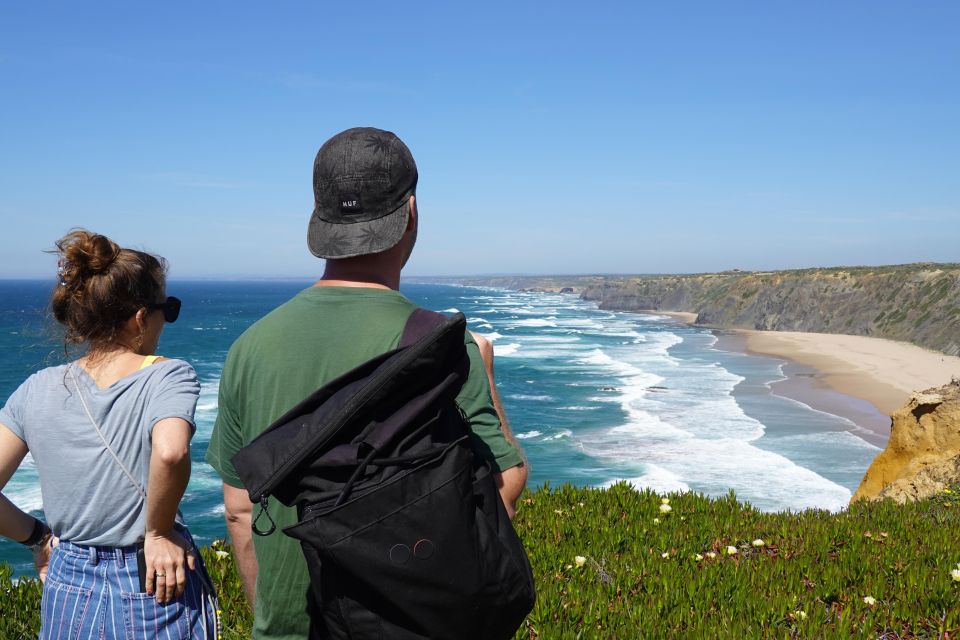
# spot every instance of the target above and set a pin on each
(528, 434)
(656, 479)
(505, 349)
(533, 322)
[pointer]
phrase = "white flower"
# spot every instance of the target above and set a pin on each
(665, 554)
(665, 508)
(800, 615)
(869, 600)
(758, 543)
(222, 554)
(656, 521)
(664, 500)
(955, 574)
(731, 550)
(711, 555)
(579, 561)
(698, 556)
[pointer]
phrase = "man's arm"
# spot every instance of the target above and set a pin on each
(510, 481)
(238, 511)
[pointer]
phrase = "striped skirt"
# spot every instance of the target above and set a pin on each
(94, 593)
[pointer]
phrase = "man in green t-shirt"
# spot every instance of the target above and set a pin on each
(364, 224)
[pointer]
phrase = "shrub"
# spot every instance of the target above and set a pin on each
(620, 563)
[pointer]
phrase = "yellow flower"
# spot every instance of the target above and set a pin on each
(711, 555)
(579, 561)
(698, 556)
(731, 550)
(665, 508)
(955, 574)
(869, 600)
(758, 543)
(664, 500)
(800, 614)
(656, 521)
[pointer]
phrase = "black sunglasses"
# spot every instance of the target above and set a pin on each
(170, 308)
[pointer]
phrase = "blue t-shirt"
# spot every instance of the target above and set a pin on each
(87, 498)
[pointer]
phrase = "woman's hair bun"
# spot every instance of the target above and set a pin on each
(86, 254)
(102, 286)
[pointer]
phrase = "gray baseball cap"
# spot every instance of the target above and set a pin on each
(362, 182)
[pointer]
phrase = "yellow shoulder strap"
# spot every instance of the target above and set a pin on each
(149, 360)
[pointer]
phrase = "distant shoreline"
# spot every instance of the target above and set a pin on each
(860, 378)
(880, 371)
(883, 372)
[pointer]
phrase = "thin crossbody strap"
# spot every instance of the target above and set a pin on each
(123, 467)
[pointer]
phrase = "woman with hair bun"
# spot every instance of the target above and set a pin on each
(110, 435)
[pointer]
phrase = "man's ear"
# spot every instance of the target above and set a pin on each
(412, 218)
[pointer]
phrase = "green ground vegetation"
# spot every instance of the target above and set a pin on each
(619, 563)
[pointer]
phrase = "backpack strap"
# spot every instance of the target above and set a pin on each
(420, 323)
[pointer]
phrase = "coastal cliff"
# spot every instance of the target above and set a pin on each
(922, 457)
(917, 303)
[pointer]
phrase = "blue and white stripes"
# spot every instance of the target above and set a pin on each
(93, 593)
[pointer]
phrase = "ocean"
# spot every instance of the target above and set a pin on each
(593, 396)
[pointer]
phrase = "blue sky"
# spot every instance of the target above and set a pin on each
(550, 137)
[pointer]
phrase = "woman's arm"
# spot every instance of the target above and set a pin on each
(168, 555)
(14, 523)
(510, 482)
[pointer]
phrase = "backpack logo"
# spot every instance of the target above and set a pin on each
(422, 550)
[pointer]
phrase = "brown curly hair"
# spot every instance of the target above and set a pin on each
(101, 286)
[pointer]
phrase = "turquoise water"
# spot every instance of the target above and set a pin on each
(593, 396)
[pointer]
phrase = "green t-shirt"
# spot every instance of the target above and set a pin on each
(320, 334)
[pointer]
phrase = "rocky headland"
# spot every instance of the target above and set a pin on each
(917, 303)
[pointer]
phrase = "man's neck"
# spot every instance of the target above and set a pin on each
(359, 273)
(328, 282)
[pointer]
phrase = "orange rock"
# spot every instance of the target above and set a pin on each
(923, 454)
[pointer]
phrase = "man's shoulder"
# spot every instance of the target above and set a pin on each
(269, 324)
(317, 311)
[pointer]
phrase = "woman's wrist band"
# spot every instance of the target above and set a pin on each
(40, 531)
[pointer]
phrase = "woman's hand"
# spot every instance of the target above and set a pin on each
(168, 557)
(41, 557)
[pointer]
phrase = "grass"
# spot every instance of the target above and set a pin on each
(617, 563)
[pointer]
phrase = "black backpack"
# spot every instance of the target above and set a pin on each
(401, 524)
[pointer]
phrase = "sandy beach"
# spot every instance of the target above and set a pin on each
(882, 372)
(863, 379)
